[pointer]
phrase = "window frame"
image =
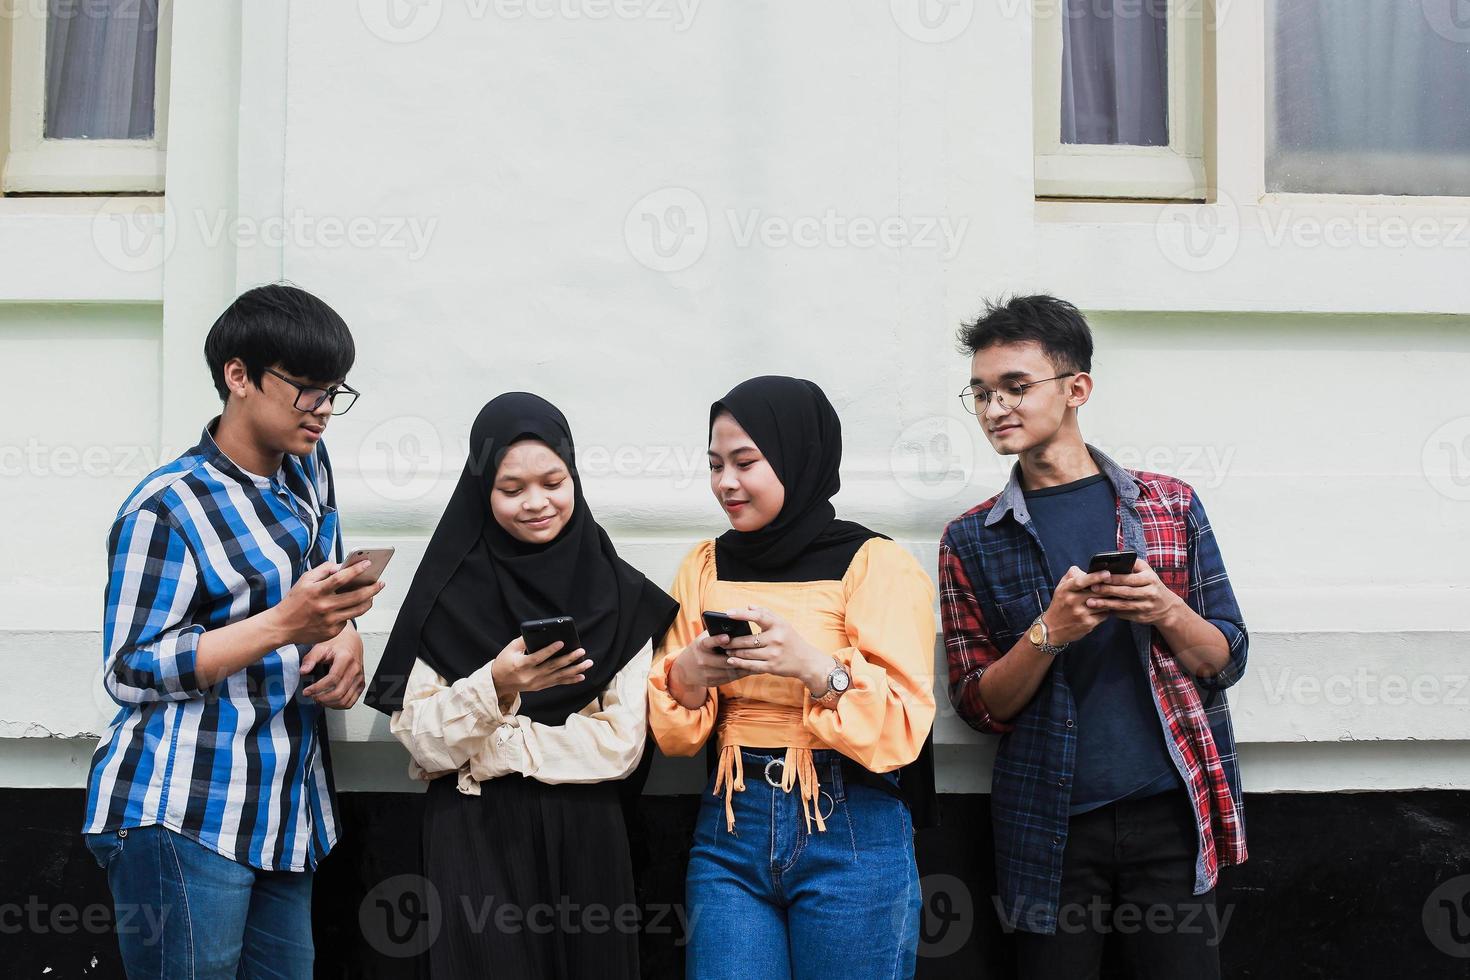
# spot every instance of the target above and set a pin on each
(1174, 172)
(35, 164)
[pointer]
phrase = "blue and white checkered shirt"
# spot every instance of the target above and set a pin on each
(241, 767)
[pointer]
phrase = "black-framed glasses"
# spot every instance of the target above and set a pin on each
(976, 398)
(309, 399)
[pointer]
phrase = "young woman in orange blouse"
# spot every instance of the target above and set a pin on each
(803, 860)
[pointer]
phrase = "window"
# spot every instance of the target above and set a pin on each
(1119, 98)
(1368, 98)
(88, 96)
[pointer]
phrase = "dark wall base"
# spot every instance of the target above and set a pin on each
(1339, 886)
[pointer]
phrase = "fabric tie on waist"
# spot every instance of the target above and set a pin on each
(749, 722)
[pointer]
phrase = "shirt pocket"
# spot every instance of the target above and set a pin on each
(1017, 615)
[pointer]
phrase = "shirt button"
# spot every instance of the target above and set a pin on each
(1069, 722)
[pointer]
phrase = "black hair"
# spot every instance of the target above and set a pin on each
(1056, 325)
(279, 324)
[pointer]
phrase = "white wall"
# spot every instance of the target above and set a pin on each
(477, 202)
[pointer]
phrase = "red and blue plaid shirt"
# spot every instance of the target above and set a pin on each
(994, 582)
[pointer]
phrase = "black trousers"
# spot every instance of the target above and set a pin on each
(1128, 878)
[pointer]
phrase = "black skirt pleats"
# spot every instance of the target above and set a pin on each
(534, 881)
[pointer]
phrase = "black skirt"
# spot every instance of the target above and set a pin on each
(534, 881)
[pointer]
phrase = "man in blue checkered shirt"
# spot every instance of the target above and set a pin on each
(225, 637)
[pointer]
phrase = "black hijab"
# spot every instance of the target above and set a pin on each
(796, 428)
(477, 583)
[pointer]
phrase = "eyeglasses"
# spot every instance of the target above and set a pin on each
(309, 399)
(976, 398)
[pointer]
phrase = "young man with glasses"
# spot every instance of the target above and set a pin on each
(1116, 794)
(210, 797)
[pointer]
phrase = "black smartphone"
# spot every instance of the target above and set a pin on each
(1117, 562)
(542, 633)
(717, 623)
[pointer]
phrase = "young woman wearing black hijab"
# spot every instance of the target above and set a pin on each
(524, 751)
(806, 868)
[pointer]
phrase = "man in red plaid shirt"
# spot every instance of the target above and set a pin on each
(1116, 791)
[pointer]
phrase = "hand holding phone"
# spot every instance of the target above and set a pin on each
(702, 665)
(525, 666)
(719, 624)
(321, 602)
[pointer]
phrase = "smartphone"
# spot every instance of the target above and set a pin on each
(542, 633)
(1117, 562)
(717, 623)
(379, 558)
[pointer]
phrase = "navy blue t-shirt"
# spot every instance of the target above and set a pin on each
(1120, 739)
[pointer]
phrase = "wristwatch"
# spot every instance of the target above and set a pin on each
(1039, 636)
(838, 681)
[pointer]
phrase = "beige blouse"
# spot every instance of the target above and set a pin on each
(466, 727)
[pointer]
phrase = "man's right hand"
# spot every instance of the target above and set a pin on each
(1068, 618)
(314, 610)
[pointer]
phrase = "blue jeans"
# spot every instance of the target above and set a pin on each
(774, 901)
(184, 911)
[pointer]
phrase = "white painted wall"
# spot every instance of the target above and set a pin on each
(473, 188)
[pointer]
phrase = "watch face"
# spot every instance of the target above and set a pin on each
(1034, 634)
(839, 679)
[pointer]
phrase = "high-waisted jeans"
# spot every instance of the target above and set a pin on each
(774, 900)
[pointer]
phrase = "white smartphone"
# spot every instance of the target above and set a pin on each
(379, 558)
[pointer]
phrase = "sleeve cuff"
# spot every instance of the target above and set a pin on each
(485, 700)
(177, 673)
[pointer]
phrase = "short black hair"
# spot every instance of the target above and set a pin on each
(279, 324)
(1056, 325)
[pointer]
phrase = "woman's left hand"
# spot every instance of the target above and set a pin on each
(778, 649)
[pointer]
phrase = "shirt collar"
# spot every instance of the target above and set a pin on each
(1012, 499)
(210, 452)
